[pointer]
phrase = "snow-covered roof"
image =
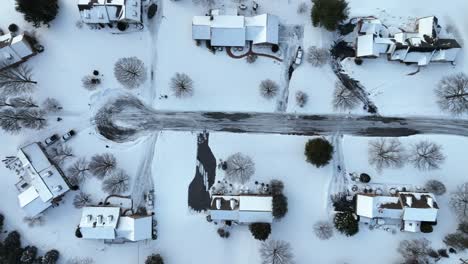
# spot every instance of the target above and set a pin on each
(14, 49)
(108, 11)
(31, 203)
(99, 222)
(419, 206)
(242, 208)
(370, 26)
(426, 27)
(366, 47)
(378, 206)
(233, 30)
(135, 228)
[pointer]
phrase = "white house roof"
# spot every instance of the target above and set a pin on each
(233, 30)
(366, 47)
(378, 206)
(36, 157)
(135, 228)
(107, 11)
(426, 26)
(99, 222)
(242, 208)
(419, 206)
(370, 26)
(31, 203)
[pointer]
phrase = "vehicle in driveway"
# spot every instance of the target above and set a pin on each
(299, 55)
(68, 135)
(50, 140)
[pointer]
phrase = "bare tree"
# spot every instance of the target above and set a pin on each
(302, 8)
(59, 153)
(323, 230)
(452, 93)
(80, 260)
(240, 168)
(81, 200)
(18, 102)
(415, 250)
(276, 252)
(16, 80)
(117, 183)
(317, 56)
(90, 82)
(436, 187)
(386, 153)
(130, 72)
(78, 171)
(343, 98)
(102, 164)
(182, 85)
(459, 201)
(426, 155)
(12, 120)
(268, 89)
(301, 98)
(52, 105)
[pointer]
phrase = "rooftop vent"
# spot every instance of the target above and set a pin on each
(99, 219)
(89, 218)
(218, 204)
(430, 201)
(233, 203)
(409, 200)
(110, 218)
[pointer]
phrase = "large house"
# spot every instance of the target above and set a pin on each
(242, 209)
(15, 50)
(108, 223)
(41, 184)
(420, 47)
(110, 11)
(227, 29)
(407, 208)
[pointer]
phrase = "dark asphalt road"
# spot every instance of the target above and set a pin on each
(127, 118)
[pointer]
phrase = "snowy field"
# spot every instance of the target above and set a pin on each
(226, 84)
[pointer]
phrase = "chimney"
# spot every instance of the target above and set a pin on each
(430, 202)
(99, 219)
(110, 218)
(218, 203)
(89, 218)
(409, 200)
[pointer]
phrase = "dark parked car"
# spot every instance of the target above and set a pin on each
(51, 140)
(68, 135)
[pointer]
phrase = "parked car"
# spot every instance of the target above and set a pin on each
(50, 140)
(299, 55)
(68, 135)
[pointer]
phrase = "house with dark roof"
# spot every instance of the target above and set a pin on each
(420, 47)
(408, 209)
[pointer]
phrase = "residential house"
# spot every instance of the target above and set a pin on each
(242, 209)
(110, 11)
(42, 184)
(227, 29)
(408, 209)
(15, 49)
(420, 47)
(108, 223)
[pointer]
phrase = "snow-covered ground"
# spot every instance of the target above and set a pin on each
(226, 84)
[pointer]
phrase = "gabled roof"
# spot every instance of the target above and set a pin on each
(99, 222)
(242, 208)
(135, 228)
(378, 206)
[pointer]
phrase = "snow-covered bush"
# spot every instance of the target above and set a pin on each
(317, 56)
(268, 89)
(182, 85)
(251, 58)
(346, 223)
(386, 153)
(436, 187)
(81, 200)
(426, 155)
(301, 98)
(154, 259)
(223, 233)
(90, 82)
(33, 221)
(260, 231)
(80, 260)
(276, 252)
(29, 255)
(51, 257)
(130, 72)
(116, 183)
(280, 205)
(323, 230)
(415, 250)
(239, 168)
(277, 187)
(302, 8)
(52, 105)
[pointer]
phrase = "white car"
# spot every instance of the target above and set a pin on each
(299, 55)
